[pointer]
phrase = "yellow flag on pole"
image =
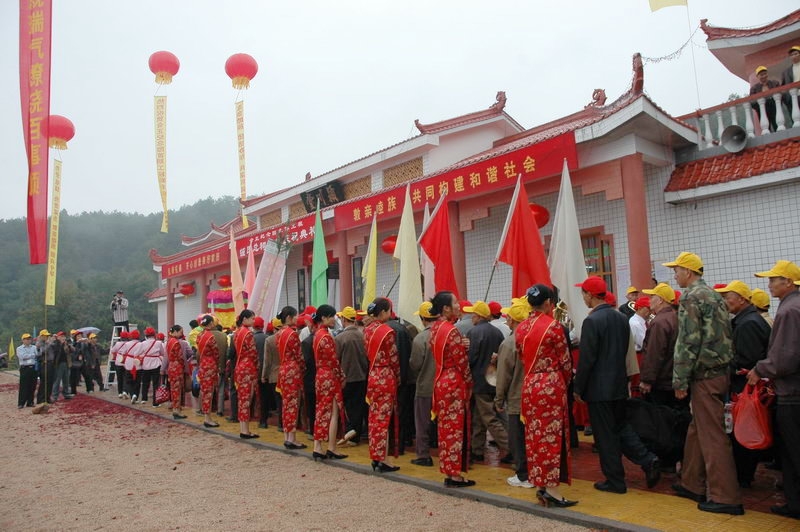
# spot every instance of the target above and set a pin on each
(11, 350)
(655, 5)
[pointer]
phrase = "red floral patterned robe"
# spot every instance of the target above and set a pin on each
(245, 375)
(382, 380)
(548, 369)
(290, 376)
(175, 370)
(452, 386)
(208, 373)
(328, 383)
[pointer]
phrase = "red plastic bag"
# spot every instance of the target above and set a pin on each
(752, 423)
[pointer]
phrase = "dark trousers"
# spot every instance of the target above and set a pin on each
(234, 398)
(788, 420)
(46, 377)
(133, 385)
(150, 376)
(97, 375)
(122, 382)
(310, 398)
(355, 406)
(516, 443)
(423, 426)
(75, 374)
(27, 384)
(615, 437)
(405, 407)
(111, 375)
(263, 402)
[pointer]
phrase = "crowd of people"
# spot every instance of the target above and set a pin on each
(481, 370)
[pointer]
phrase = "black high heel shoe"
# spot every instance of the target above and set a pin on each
(178, 416)
(331, 454)
(210, 425)
(248, 436)
(383, 467)
(294, 446)
(546, 499)
(319, 456)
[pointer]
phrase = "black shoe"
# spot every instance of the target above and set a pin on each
(451, 483)
(248, 436)
(546, 499)
(424, 462)
(294, 446)
(178, 416)
(680, 491)
(719, 508)
(334, 456)
(653, 473)
(231, 420)
(383, 467)
(319, 456)
(507, 459)
(210, 425)
(221, 414)
(784, 511)
(606, 486)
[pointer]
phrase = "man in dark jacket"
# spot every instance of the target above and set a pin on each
(260, 337)
(484, 341)
(602, 381)
(659, 346)
(353, 359)
(407, 384)
(782, 365)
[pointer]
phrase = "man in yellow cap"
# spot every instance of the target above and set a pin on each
(355, 366)
(762, 85)
(760, 300)
(750, 339)
(510, 375)
(703, 353)
(791, 74)
(26, 355)
(631, 295)
(782, 366)
(423, 368)
(44, 371)
(269, 371)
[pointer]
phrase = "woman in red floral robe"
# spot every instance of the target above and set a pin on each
(382, 380)
(328, 384)
(290, 376)
(547, 364)
(175, 369)
(452, 388)
(245, 375)
(208, 372)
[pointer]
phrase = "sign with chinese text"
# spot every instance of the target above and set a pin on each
(161, 156)
(329, 194)
(240, 142)
(52, 256)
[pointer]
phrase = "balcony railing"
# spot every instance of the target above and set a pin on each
(711, 122)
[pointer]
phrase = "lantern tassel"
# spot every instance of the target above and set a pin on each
(59, 144)
(241, 82)
(163, 78)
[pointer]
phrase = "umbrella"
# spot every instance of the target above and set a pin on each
(88, 330)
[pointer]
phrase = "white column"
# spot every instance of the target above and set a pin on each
(778, 98)
(707, 131)
(720, 124)
(748, 120)
(795, 108)
(762, 107)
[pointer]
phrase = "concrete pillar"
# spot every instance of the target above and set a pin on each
(633, 187)
(457, 248)
(345, 270)
(170, 303)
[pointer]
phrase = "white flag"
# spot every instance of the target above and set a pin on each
(265, 297)
(566, 261)
(406, 252)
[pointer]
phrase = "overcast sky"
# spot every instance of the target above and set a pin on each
(336, 81)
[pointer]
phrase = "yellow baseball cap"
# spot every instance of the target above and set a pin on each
(26, 336)
(348, 313)
(518, 311)
(760, 298)
(631, 289)
(277, 323)
(759, 69)
(687, 260)
(782, 268)
(93, 335)
(44, 332)
(662, 290)
(425, 310)
(736, 286)
(480, 308)
(794, 49)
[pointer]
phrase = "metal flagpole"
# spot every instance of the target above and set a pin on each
(491, 276)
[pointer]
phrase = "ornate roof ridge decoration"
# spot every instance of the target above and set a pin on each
(256, 199)
(238, 232)
(216, 230)
(496, 109)
(714, 33)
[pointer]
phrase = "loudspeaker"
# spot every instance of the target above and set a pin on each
(733, 139)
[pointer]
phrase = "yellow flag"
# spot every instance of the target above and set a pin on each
(11, 350)
(655, 5)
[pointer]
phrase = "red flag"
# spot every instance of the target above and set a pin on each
(435, 242)
(521, 245)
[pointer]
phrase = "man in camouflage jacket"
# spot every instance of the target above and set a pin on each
(703, 352)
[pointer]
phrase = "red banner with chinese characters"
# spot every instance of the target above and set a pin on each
(540, 160)
(35, 18)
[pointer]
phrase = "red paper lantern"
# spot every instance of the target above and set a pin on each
(388, 244)
(186, 289)
(60, 131)
(540, 214)
(164, 65)
(224, 281)
(241, 68)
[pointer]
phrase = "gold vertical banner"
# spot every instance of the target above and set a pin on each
(240, 140)
(160, 104)
(52, 255)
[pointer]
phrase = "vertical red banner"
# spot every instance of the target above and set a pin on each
(35, 25)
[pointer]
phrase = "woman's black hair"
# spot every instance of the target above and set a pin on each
(323, 311)
(441, 300)
(175, 328)
(286, 312)
(206, 320)
(243, 315)
(379, 305)
(539, 293)
(193, 324)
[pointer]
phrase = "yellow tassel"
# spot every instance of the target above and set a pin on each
(241, 82)
(59, 144)
(163, 78)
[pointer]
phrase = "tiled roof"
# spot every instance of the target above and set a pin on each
(496, 109)
(713, 33)
(216, 230)
(157, 293)
(732, 166)
(256, 199)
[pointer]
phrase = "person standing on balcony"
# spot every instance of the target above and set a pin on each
(791, 75)
(764, 84)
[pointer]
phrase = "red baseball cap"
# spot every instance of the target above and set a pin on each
(309, 310)
(594, 285)
(641, 302)
(160, 336)
(125, 335)
(270, 328)
(258, 323)
(149, 332)
(301, 320)
(135, 334)
(495, 308)
(611, 299)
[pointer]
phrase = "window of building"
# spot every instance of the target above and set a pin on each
(301, 289)
(598, 252)
(358, 288)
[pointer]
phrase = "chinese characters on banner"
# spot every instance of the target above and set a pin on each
(160, 104)
(543, 159)
(34, 89)
(240, 142)
(52, 256)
